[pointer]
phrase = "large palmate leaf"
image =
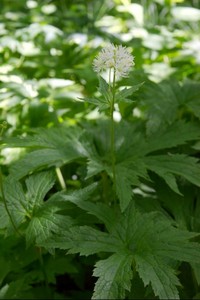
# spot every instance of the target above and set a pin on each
(167, 166)
(86, 241)
(133, 159)
(148, 241)
(51, 147)
(45, 223)
(161, 276)
(115, 276)
(41, 218)
(81, 199)
(37, 187)
(177, 133)
(58, 146)
(190, 96)
(163, 102)
(28, 207)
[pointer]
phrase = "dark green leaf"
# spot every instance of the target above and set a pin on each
(115, 276)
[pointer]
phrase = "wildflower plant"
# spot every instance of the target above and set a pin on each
(134, 239)
(118, 61)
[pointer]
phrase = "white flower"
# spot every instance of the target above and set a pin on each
(113, 57)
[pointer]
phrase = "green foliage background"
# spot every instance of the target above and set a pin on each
(64, 233)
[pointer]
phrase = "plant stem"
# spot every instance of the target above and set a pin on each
(40, 256)
(60, 178)
(112, 133)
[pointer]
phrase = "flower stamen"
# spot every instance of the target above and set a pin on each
(113, 57)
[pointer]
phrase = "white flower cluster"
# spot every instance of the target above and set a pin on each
(113, 57)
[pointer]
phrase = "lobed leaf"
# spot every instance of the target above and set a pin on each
(115, 276)
(38, 186)
(162, 277)
(44, 224)
(84, 240)
(123, 95)
(179, 164)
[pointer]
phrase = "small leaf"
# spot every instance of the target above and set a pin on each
(122, 96)
(101, 103)
(104, 89)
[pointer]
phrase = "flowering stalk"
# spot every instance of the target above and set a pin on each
(118, 61)
(112, 130)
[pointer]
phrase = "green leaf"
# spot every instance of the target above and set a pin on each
(132, 164)
(115, 276)
(104, 89)
(104, 102)
(161, 276)
(44, 224)
(57, 146)
(4, 220)
(37, 187)
(36, 160)
(22, 204)
(85, 240)
(127, 175)
(168, 165)
(152, 239)
(161, 102)
(122, 96)
(101, 103)
(95, 166)
(15, 289)
(190, 96)
(177, 133)
(100, 210)
(16, 201)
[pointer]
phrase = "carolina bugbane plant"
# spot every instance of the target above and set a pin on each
(118, 61)
(135, 239)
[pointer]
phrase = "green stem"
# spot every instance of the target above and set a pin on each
(60, 178)
(40, 256)
(112, 133)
